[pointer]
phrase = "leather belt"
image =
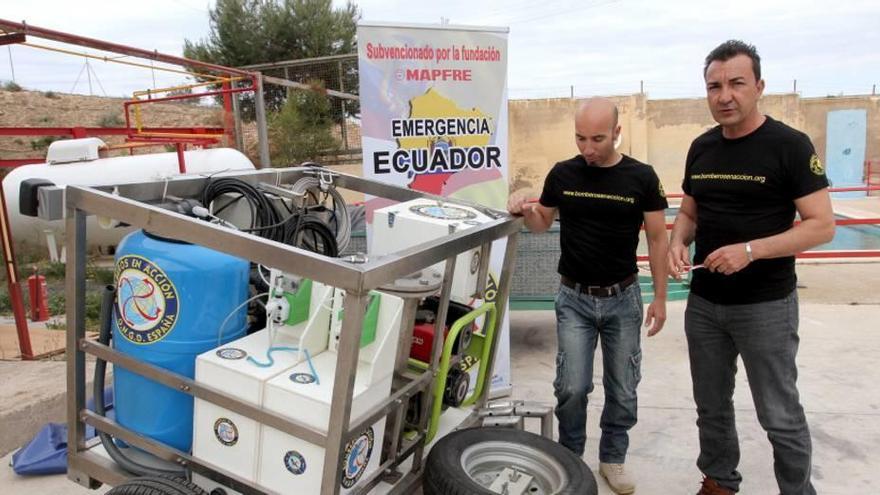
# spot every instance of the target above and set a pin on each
(598, 290)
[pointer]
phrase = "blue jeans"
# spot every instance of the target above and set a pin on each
(583, 321)
(765, 335)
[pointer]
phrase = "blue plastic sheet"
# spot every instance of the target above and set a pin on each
(46, 453)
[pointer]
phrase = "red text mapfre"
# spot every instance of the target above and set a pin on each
(438, 74)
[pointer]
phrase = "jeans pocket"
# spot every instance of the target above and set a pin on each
(636, 364)
(559, 382)
(637, 303)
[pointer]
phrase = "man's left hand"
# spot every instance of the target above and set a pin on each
(656, 316)
(728, 259)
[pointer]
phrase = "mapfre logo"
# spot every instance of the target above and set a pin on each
(435, 75)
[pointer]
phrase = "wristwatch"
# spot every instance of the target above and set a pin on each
(749, 252)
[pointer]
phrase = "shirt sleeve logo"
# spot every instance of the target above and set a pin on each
(660, 187)
(816, 165)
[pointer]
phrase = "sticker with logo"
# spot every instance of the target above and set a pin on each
(226, 431)
(147, 306)
(356, 457)
(295, 462)
(231, 353)
(302, 378)
(816, 165)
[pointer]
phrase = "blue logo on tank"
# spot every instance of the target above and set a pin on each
(147, 304)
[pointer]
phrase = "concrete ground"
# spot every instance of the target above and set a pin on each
(840, 307)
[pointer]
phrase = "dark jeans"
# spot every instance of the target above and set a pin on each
(766, 336)
(582, 321)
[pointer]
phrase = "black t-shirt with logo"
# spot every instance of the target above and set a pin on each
(601, 210)
(745, 189)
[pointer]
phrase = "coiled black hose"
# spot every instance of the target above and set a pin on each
(266, 221)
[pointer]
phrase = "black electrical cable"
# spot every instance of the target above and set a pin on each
(322, 239)
(98, 392)
(266, 221)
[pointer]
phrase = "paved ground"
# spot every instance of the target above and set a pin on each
(840, 340)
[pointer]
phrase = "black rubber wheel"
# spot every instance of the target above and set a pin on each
(467, 462)
(157, 485)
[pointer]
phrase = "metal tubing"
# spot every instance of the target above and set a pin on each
(75, 290)
(166, 453)
(501, 302)
(483, 272)
(397, 397)
(12, 283)
(343, 386)
(427, 403)
(165, 223)
(195, 389)
(262, 128)
(113, 47)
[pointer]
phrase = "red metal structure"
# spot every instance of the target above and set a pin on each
(18, 32)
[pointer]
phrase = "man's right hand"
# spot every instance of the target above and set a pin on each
(518, 204)
(679, 259)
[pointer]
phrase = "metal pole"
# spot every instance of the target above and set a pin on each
(73, 39)
(89, 76)
(15, 297)
(262, 129)
(75, 290)
(501, 303)
(11, 65)
(344, 130)
(343, 387)
(236, 117)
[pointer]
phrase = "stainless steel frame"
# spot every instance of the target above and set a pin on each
(128, 203)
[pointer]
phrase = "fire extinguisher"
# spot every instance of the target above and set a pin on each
(39, 297)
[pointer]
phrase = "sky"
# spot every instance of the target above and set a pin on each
(590, 47)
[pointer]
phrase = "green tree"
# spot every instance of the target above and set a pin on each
(302, 130)
(246, 32)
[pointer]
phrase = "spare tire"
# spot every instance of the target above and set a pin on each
(157, 485)
(468, 462)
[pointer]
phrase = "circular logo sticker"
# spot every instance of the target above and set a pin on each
(357, 456)
(147, 305)
(816, 165)
(226, 431)
(443, 212)
(295, 462)
(302, 378)
(231, 353)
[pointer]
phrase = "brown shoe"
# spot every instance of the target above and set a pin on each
(711, 487)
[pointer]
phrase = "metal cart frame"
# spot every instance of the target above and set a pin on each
(128, 203)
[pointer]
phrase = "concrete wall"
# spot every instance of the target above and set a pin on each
(659, 132)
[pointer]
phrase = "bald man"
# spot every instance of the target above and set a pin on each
(602, 198)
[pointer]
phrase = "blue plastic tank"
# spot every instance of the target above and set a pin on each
(171, 300)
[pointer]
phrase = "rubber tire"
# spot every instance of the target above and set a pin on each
(157, 485)
(444, 474)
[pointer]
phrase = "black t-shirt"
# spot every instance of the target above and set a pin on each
(745, 189)
(601, 210)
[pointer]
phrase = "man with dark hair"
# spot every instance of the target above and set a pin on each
(603, 198)
(744, 180)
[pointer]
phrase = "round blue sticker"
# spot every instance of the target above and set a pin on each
(295, 462)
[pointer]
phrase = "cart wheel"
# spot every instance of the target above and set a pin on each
(157, 485)
(468, 462)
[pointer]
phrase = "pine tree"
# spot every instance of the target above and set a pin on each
(245, 32)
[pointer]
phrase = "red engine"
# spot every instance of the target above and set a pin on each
(423, 329)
